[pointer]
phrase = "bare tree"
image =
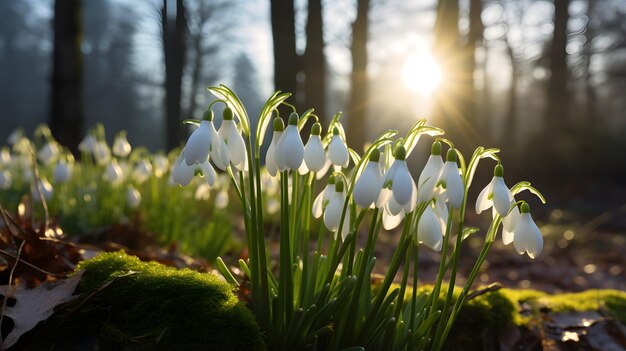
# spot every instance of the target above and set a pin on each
(174, 49)
(286, 61)
(557, 85)
(66, 115)
(314, 61)
(359, 81)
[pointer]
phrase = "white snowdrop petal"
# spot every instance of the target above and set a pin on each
(509, 222)
(338, 152)
(390, 221)
(507, 236)
(431, 170)
(412, 204)
(270, 156)
(367, 187)
(198, 145)
(332, 214)
(383, 197)
(500, 196)
(292, 148)
(454, 184)
(219, 150)
(402, 184)
(322, 172)
(303, 169)
(314, 154)
(429, 230)
(181, 172)
(208, 173)
(318, 204)
(483, 202)
(393, 206)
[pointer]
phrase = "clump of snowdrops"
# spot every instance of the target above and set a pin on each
(112, 184)
(322, 297)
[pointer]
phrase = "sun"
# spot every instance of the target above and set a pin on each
(421, 73)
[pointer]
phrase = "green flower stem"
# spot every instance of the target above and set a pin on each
(414, 292)
(442, 265)
(405, 279)
(285, 275)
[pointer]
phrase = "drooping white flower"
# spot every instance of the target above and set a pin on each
(207, 172)
(495, 194)
(234, 141)
(142, 171)
(221, 199)
(270, 156)
(88, 144)
(429, 231)
(6, 180)
(391, 221)
(161, 165)
(15, 136)
(102, 153)
(121, 146)
(62, 172)
(527, 236)
(5, 156)
(181, 172)
(332, 214)
(113, 173)
(290, 149)
(199, 144)
(48, 153)
(430, 175)
(133, 197)
(46, 190)
(321, 201)
(338, 150)
(452, 179)
(314, 154)
(403, 188)
(367, 188)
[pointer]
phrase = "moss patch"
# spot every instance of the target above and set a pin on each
(129, 304)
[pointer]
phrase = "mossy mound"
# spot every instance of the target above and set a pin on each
(129, 304)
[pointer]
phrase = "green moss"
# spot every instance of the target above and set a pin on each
(129, 304)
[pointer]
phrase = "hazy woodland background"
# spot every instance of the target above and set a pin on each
(543, 79)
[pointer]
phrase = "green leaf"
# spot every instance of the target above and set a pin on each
(192, 121)
(221, 266)
(266, 115)
(232, 100)
(305, 116)
(419, 128)
(524, 185)
(467, 231)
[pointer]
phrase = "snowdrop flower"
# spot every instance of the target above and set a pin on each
(88, 144)
(429, 230)
(142, 171)
(221, 199)
(204, 141)
(338, 150)
(391, 221)
(368, 186)
(183, 173)
(495, 194)
(332, 214)
(133, 197)
(46, 190)
(121, 146)
(270, 156)
(452, 179)
(5, 179)
(290, 149)
(113, 173)
(48, 153)
(102, 153)
(527, 236)
(430, 175)
(5, 156)
(62, 172)
(161, 165)
(314, 154)
(403, 188)
(234, 141)
(15, 136)
(321, 201)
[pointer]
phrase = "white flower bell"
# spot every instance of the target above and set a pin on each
(133, 197)
(15, 136)
(452, 179)
(429, 230)
(161, 165)
(142, 171)
(205, 141)
(88, 144)
(321, 201)
(332, 214)
(234, 141)
(368, 186)
(495, 194)
(102, 153)
(6, 180)
(48, 153)
(121, 146)
(314, 154)
(113, 173)
(338, 150)
(290, 149)
(5, 156)
(270, 156)
(183, 173)
(527, 236)
(430, 175)
(403, 188)
(62, 172)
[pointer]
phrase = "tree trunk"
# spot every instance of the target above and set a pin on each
(286, 63)
(359, 82)
(66, 117)
(510, 120)
(174, 35)
(590, 91)
(314, 62)
(474, 40)
(556, 111)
